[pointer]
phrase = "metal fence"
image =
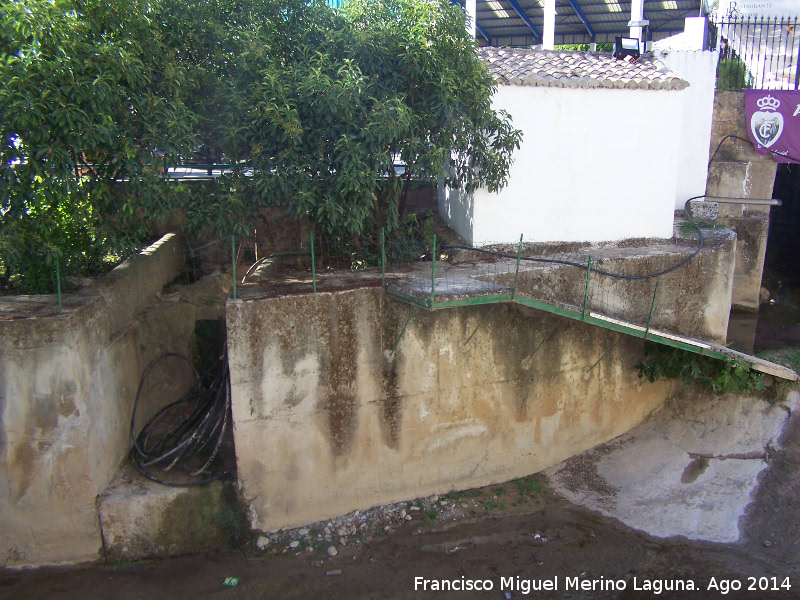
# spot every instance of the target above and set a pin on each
(757, 52)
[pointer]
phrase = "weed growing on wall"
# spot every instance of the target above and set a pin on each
(719, 376)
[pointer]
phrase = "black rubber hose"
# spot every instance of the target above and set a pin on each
(203, 425)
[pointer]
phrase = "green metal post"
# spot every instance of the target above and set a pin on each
(383, 255)
(516, 273)
(313, 265)
(586, 293)
(233, 264)
(433, 271)
(58, 286)
(402, 331)
(650, 316)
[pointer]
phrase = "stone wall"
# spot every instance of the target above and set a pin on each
(329, 420)
(67, 385)
(737, 171)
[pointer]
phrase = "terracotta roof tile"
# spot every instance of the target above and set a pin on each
(519, 66)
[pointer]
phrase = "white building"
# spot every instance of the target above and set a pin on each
(603, 152)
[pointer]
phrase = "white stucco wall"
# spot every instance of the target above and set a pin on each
(595, 165)
(699, 68)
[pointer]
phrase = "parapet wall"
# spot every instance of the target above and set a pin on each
(329, 419)
(737, 171)
(67, 385)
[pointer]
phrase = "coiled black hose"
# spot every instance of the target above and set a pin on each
(185, 433)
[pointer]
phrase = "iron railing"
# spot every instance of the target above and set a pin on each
(757, 52)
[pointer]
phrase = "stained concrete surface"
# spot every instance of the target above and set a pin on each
(691, 470)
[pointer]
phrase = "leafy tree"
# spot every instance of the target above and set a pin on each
(312, 105)
(320, 103)
(90, 113)
(393, 79)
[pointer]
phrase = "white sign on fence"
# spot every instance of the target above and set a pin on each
(758, 8)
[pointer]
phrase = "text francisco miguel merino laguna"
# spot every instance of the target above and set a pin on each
(654, 586)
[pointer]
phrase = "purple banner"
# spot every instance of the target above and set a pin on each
(773, 121)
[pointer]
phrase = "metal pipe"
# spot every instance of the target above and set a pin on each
(516, 273)
(383, 255)
(313, 265)
(233, 264)
(58, 286)
(755, 201)
(586, 293)
(433, 272)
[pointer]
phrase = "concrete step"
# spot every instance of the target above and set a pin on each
(142, 519)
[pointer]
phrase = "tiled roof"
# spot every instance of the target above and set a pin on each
(553, 68)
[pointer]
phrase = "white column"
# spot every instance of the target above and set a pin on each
(637, 14)
(472, 13)
(549, 36)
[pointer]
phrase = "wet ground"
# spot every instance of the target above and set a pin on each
(514, 538)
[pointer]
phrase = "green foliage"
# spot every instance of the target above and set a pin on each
(719, 376)
(312, 105)
(688, 228)
(82, 83)
(733, 74)
(529, 486)
(788, 357)
(387, 80)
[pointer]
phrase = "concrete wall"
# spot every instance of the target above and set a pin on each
(693, 300)
(595, 164)
(738, 172)
(67, 384)
(699, 68)
(328, 420)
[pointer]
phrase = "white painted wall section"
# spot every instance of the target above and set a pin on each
(594, 165)
(700, 70)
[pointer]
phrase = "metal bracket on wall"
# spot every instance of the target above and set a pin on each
(402, 331)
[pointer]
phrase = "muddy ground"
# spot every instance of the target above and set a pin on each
(515, 530)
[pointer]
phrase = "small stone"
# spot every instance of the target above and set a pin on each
(343, 541)
(332, 551)
(434, 498)
(294, 544)
(303, 531)
(407, 517)
(463, 505)
(342, 531)
(403, 514)
(262, 542)
(767, 543)
(326, 531)
(413, 508)
(387, 528)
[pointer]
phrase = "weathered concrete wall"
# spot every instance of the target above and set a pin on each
(67, 385)
(329, 420)
(737, 171)
(694, 300)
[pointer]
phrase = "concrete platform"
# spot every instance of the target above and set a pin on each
(143, 519)
(691, 470)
